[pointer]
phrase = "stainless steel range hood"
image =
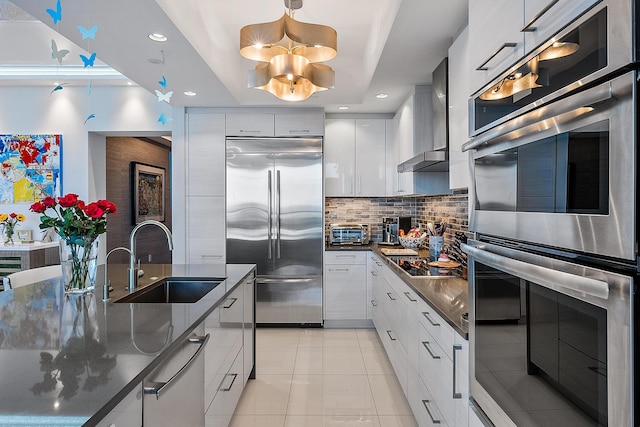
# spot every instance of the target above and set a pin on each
(429, 161)
(436, 159)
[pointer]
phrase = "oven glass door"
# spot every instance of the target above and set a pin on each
(549, 340)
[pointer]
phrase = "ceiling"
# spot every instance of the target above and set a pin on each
(387, 48)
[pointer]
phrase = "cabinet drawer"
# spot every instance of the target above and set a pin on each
(311, 124)
(221, 410)
(345, 257)
(395, 352)
(345, 291)
(437, 327)
(436, 370)
(425, 409)
(243, 124)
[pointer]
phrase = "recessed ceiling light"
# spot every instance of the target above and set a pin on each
(157, 37)
(381, 95)
(190, 93)
(129, 83)
(343, 107)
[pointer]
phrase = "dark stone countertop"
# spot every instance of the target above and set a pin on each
(115, 344)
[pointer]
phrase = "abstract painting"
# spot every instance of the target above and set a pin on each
(148, 192)
(30, 167)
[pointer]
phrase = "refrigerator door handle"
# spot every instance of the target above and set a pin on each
(278, 214)
(269, 213)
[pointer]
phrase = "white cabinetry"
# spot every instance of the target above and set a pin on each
(430, 359)
(250, 124)
(205, 200)
(459, 111)
(267, 124)
(299, 124)
(345, 285)
(495, 38)
(354, 157)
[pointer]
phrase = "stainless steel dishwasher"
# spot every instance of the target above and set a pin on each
(173, 392)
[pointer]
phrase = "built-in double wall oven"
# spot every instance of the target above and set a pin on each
(553, 264)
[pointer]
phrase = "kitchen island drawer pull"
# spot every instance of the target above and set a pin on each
(426, 345)
(482, 67)
(529, 28)
(433, 322)
(233, 301)
(433, 420)
(155, 387)
(234, 376)
(390, 296)
(409, 297)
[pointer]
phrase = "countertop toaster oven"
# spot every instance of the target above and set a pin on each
(347, 233)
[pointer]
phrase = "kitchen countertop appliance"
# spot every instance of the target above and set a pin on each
(391, 227)
(554, 261)
(348, 233)
(275, 214)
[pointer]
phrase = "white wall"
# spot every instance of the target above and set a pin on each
(125, 110)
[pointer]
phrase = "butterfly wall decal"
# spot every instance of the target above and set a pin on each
(57, 88)
(88, 34)
(166, 97)
(56, 15)
(89, 117)
(88, 62)
(163, 82)
(164, 119)
(58, 54)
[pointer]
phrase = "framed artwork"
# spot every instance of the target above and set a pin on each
(30, 167)
(24, 235)
(148, 189)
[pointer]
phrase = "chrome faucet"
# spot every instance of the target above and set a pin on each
(133, 270)
(107, 283)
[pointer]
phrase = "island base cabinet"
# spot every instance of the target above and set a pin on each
(127, 413)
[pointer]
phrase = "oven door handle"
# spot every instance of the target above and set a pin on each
(553, 279)
(562, 111)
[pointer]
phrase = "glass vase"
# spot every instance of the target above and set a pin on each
(79, 261)
(8, 235)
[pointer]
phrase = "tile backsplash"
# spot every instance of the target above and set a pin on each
(451, 208)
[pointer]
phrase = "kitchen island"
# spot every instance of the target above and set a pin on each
(105, 349)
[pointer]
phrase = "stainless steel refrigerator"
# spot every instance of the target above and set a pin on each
(274, 220)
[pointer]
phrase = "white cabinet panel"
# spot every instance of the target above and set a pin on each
(345, 291)
(250, 124)
(206, 230)
(205, 154)
(391, 158)
(345, 257)
(496, 42)
(127, 413)
(339, 157)
(370, 157)
(403, 121)
(459, 111)
(299, 124)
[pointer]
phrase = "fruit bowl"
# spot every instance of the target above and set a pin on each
(412, 242)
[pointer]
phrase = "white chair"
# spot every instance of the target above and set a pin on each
(25, 277)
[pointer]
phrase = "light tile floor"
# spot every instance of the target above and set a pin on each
(322, 378)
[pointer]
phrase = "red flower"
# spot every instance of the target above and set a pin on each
(93, 211)
(107, 206)
(68, 201)
(38, 207)
(13, 215)
(49, 202)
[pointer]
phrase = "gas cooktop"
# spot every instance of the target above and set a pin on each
(418, 267)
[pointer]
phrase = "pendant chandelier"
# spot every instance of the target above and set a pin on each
(290, 55)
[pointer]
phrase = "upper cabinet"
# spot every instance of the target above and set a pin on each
(495, 38)
(205, 154)
(458, 111)
(354, 157)
(279, 124)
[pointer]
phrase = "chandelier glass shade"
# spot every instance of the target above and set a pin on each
(290, 55)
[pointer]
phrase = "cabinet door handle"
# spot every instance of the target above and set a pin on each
(529, 28)
(155, 387)
(338, 269)
(409, 297)
(233, 301)
(390, 336)
(433, 322)
(390, 296)
(374, 273)
(494, 54)
(249, 131)
(433, 420)
(456, 395)
(233, 379)
(345, 256)
(299, 131)
(373, 303)
(426, 345)
(378, 264)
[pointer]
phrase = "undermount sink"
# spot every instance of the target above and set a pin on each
(173, 290)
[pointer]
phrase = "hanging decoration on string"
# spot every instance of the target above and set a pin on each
(56, 14)
(58, 87)
(163, 96)
(88, 34)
